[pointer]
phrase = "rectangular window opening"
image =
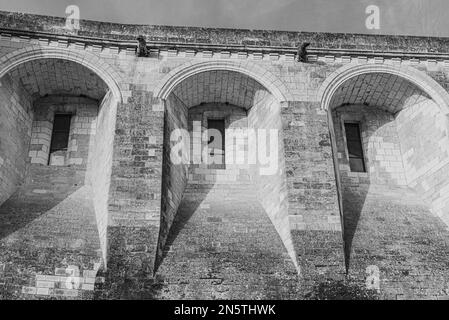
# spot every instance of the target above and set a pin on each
(355, 147)
(216, 140)
(60, 134)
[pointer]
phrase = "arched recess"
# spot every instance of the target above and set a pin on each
(91, 61)
(98, 160)
(273, 84)
(419, 78)
(332, 95)
(270, 93)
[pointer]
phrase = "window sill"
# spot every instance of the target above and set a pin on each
(357, 174)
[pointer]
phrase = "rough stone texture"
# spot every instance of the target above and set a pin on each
(386, 91)
(228, 37)
(48, 223)
(399, 80)
(100, 165)
(135, 195)
(423, 130)
(131, 257)
(235, 166)
(310, 177)
(16, 115)
(137, 161)
(220, 87)
(388, 210)
(271, 183)
(381, 146)
(58, 77)
(82, 129)
(174, 176)
(393, 229)
(313, 203)
(223, 246)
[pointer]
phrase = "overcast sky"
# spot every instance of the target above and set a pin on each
(411, 17)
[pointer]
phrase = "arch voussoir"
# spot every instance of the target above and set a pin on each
(274, 85)
(87, 59)
(417, 77)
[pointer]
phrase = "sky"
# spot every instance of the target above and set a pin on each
(401, 17)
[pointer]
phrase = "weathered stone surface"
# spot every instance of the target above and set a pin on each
(227, 250)
(393, 229)
(228, 37)
(119, 220)
(16, 117)
(46, 231)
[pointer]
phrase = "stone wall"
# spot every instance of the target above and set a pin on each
(388, 225)
(82, 129)
(51, 216)
(174, 175)
(380, 142)
(396, 241)
(239, 67)
(100, 160)
(50, 222)
(406, 149)
(16, 116)
(423, 130)
(240, 38)
(235, 166)
(312, 192)
(271, 183)
(135, 194)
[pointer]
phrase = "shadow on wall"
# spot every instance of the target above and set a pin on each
(53, 208)
(51, 220)
(28, 204)
(193, 197)
(383, 162)
(389, 226)
(222, 245)
(342, 290)
(353, 202)
(46, 186)
(44, 230)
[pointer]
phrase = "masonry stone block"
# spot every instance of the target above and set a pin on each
(136, 225)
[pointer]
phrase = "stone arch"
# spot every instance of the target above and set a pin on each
(273, 84)
(419, 78)
(113, 80)
(86, 59)
(275, 92)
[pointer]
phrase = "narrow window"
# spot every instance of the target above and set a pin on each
(216, 135)
(355, 149)
(60, 135)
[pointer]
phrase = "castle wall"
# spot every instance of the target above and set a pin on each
(82, 129)
(271, 182)
(383, 212)
(234, 166)
(135, 194)
(16, 114)
(136, 210)
(423, 130)
(51, 216)
(100, 164)
(312, 192)
(381, 147)
(174, 175)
